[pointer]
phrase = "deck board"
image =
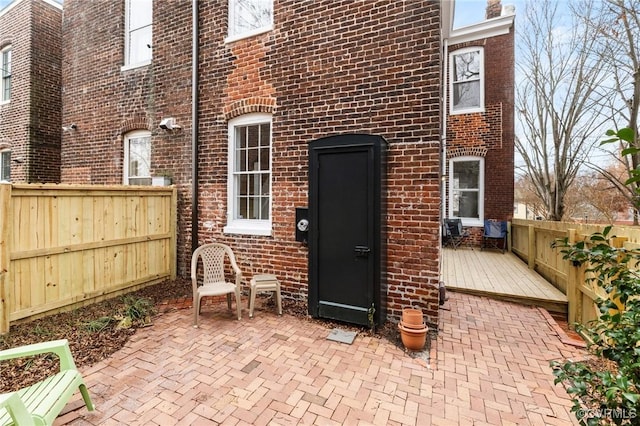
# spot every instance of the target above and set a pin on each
(503, 276)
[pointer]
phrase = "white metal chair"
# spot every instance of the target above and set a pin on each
(214, 282)
(264, 282)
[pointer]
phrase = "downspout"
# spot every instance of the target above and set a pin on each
(194, 127)
(443, 164)
(445, 91)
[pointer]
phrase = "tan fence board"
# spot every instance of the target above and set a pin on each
(562, 273)
(65, 244)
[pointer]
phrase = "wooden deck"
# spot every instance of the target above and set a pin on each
(502, 276)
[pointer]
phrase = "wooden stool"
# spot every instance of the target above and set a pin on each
(264, 282)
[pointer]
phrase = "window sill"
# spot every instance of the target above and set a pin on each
(255, 32)
(5, 102)
(134, 66)
(471, 222)
(466, 111)
(248, 227)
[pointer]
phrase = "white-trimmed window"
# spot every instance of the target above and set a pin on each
(467, 80)
(249, 17)
(249, 177)
(5, 64)
(138, 33)
(137, 158)
(466, 190)
(5, 165)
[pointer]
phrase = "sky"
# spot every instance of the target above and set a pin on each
(469, 12)
(3, 3)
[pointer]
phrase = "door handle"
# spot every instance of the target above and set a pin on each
(362, 250)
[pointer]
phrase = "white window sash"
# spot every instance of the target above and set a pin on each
(140, 173)
(6, 73)
(236, 224)
(475, 83)
(479, 191)
(138, 33)
(5, 166)
(248, 18)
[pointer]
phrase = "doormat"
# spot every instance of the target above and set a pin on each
(342, 336)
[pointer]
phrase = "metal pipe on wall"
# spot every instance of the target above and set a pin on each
(194, 127)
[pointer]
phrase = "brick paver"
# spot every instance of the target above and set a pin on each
(491, 367)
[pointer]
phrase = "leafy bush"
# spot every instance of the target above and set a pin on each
(607, 395)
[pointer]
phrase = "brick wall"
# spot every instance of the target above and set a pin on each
(490, 134)
(46, 97)
(30, 122)
(335, 67)
(328, 67)
(106, 102)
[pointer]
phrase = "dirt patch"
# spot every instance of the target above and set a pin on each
(80, 327)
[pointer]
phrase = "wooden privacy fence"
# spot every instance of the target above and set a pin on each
(532, 242)
(61, 245)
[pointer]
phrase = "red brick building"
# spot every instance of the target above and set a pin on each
(270, 77)
(478, 138)
(30, 101)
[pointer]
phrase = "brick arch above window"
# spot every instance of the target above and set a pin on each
(135, 123)
(249, 105)
(467, 151)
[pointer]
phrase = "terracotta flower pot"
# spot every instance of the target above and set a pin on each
(412, 318)
(420, 326)
(413, 339)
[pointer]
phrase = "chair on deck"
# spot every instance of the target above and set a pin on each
(494, 235)
(214, 282)
(453, 233)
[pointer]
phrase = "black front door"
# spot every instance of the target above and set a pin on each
(343, 237)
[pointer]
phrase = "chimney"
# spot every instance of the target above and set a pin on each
(494, 9)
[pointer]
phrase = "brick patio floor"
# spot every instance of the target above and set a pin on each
(489, 366)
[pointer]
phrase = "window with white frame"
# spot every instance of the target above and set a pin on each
(5, 165)
(138, 32)
(466, 190)
(249, 177)
(5, 85)
(467, 80)
(137, 158)
(249, 17)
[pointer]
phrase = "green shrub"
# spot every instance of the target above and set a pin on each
(607, 395)
(134, 311)
(137, 308)
(99, 324)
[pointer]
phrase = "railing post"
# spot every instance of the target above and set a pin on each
(531, 258)
(574, 295)
(5, 240)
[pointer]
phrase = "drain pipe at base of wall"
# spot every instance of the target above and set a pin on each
(194, 128)
(443, 137)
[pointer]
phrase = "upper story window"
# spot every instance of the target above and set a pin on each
(137, 158)
(5, 85)
(249, 178)
(467, 80)
(249, 17)
(5, 165)
(466, 190)
(138, 32)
